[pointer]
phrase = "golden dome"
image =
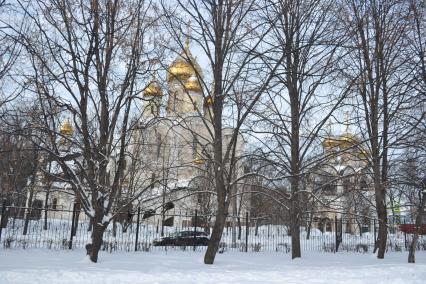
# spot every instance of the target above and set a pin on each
(193, 85)
(348, 137)
(344, 141)
(198, 161)
(66, 129)
(153, 90)
(364, 154)
(208, 102)
(348, 140)
(184, 66)
(330, 142)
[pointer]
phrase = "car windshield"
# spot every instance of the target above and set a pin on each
(185, 234)
(171, 235)
(192, 233)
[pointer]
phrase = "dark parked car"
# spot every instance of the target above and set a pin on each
(184, 238)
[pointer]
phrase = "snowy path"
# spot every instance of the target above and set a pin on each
(43, 266)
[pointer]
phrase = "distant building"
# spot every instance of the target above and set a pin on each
(343, 185)
(173, 144)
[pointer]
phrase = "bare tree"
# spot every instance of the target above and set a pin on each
(300, 103)
(410, 181)
(229, 35)
(417, 44)
(382, 95)
(91, 62)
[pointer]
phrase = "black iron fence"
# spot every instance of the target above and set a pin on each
(147, 231)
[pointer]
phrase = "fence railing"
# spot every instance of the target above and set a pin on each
(146, 231)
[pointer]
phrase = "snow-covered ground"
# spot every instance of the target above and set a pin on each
(59, 266)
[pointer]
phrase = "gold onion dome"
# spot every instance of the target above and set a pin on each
(153, 90)
(349, 138)
(330, 142)
(208, 102)
(184, 66)
(193, 85)
(199, 161)
(346, 140)
(66, 129)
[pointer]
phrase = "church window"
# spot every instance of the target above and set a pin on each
(194, 147)
(54, 203)
(152, 180)
(123, 169)
(328, 227)
(158, 145)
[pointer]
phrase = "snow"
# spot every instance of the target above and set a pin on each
(51, 266)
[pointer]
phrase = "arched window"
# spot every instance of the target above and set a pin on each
(152, 180)
(328, 227)
(55, 203)
(363, 185)
(194, 147)
(158, 140)
(321, 226)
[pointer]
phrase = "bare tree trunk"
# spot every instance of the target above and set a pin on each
(294, 163)
(413, 244)
(308, 231)
(239, 227)
(295, 231)
(412, 248)
(30, 198)
(29, 209)
(89, 228)
(359, 227)
(97, 236)
(383, 233)
(381, 214)
(76, 217)
(114, 228)
(46, 207)
(234, 213)
(216, 236)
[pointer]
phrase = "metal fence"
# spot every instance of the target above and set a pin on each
(69, 229)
